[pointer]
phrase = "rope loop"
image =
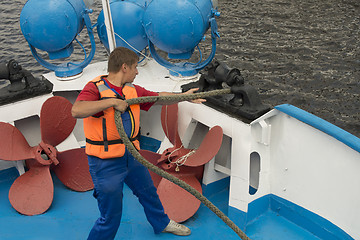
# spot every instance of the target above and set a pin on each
(181, 160)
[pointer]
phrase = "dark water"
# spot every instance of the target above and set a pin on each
(302, 52)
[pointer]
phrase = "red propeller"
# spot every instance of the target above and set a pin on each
(32, 192)
(186, 164)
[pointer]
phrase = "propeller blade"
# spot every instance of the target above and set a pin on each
(56, 121)
(198, 172)
(13, 145)
(32, 192)
(73, 170)
(179, 204)
(153, 158)
(208, 149)
(169, 122)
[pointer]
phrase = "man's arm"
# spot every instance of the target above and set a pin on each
(84, 109)
(200, 100)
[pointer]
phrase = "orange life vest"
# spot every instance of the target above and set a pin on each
(102, 137)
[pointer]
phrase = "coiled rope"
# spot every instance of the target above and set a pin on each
(164, 174)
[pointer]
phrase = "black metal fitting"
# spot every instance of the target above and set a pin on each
(244, 101)
(22, 83)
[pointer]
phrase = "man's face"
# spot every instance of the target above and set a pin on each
(131, 72)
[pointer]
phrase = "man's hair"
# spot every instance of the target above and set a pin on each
(119, 56)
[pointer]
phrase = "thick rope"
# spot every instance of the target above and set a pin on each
(178, 97)
(164, 174)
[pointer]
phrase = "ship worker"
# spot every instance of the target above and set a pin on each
(110, 163)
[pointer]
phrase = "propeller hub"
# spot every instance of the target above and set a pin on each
(45, 154)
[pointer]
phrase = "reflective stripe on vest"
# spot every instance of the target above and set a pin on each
(102, 137)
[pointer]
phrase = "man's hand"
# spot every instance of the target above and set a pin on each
(193, 90)
(120, 105)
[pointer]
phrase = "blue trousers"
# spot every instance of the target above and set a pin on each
(109, 176)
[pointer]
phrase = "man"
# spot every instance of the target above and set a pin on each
(110, 163)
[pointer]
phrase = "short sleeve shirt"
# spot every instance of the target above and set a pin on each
(91, 93)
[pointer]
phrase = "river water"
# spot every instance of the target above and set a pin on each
(302, 52)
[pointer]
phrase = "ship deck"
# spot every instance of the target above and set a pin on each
(72, 215)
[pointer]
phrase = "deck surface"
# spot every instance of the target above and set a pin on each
(272, 226)
(72, 215)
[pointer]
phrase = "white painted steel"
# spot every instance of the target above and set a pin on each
(297, 162)
(22, 109)
(315, 171)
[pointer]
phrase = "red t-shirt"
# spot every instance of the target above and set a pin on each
(91, 93)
